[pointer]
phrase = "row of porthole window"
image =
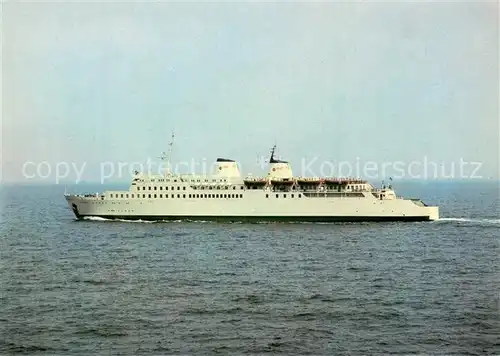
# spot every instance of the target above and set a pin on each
(284, 195)
(156, 180)
(207, 180)
(355, 187)
(150, 196)
(217, 187)
(175, 180)
(161, 188)
(184, 188)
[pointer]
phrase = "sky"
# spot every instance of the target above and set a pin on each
(87, 85)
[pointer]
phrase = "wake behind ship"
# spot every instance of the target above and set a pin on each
(226, 195)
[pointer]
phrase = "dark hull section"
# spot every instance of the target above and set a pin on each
(264, 218)
(75, 211)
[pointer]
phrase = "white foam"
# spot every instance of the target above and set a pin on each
(97, 218)
(468, 220)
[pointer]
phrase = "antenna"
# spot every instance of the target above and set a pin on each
(272, 154)
(171, 143)
(167, 157)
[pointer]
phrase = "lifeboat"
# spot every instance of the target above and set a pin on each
(255, 181)
(310, 180)
(344, 181)
(282, 181)
(333, 181)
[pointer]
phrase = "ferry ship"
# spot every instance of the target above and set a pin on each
(226, 195)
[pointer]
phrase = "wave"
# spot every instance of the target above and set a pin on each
(470, 220)
(485, 221)
(97, 218)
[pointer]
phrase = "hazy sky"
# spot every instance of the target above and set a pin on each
(383, 81)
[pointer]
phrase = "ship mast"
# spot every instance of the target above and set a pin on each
(272, 154)
(167, 157)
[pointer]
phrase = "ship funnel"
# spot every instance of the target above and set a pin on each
(278, 168)
(226, 168)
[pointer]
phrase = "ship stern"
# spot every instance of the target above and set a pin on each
(433, 212)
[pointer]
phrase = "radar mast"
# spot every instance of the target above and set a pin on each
(168, 156)
(273, 149)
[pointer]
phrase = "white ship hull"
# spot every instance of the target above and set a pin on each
(253, 205)
(225, 195)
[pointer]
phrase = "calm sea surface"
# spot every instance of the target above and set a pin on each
(120, 288)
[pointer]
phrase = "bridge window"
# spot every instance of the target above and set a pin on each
(111, 195)
(178, 195)
(149, 196)
(241, 195)
(234, 187)
(121, 196)
(173, 195)
(155, 196)
(267, 195)
(183, 188)
(161, 195)
(183, 195)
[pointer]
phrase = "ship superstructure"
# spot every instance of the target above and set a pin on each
(226, 195)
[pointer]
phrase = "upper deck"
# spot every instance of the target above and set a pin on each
(227, 177)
